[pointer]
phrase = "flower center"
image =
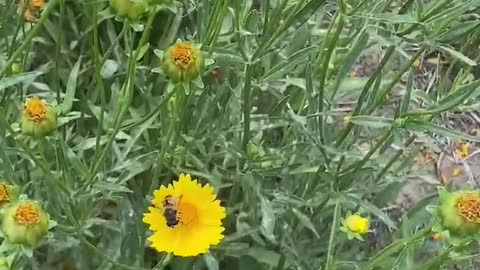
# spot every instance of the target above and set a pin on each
(468, 206)
(4, 196)
(27, 214)
(182, 55)
(187, 214)
(36, 109)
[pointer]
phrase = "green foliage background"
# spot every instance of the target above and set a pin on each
(266, 127)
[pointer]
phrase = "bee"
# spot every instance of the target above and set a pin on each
(170, 210)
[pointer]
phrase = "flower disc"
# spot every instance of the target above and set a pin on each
(194, 218)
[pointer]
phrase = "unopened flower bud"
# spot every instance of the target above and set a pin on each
(8, 193)
(131, 9)
(25, 223)
(459, 211)
(183, 62)
(38, 118)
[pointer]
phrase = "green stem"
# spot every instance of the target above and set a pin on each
(393, 159)
(127, 91)
(33, 32)
(98, 78)
(105, 256)
(246, 106)
(324, 69)
(364, 94)
(165, 262)
(333, 233)
(394, 248)
(374, 149)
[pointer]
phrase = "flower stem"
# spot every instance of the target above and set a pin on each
(395, 247)
(246, 106)
(165, 262)
(333, 232)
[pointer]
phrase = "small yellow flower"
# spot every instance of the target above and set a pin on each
(462, 149)
(31, 11)
(347, 118)
(186, 218)
(183, 61)
(38, 118)
(437, 236)
(417, 64)
(357, 224)
(25, 223)
(456, 172)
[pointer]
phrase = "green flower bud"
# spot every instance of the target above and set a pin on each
(16, 68)
(183, 62)
(137, 9)
(8, 193)
(459, 211)
(25, 223)
(4, 264)
(38, 118)
(131, 9)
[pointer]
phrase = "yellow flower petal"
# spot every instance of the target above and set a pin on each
(198, 214)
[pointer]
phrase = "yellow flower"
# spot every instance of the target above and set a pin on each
(34, 6)
(437, 236)
(38, 118)
(462, 149)
(456, 172)
(186, 218)
(183, 61)
(357, 224)
(25, 223)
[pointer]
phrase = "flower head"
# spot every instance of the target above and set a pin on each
(32, 9)
(131, 9)
(25, 222)
(8, 193)
(183, 61)
(186, 218)
(355, 225)
(457, 215)
(38, 118)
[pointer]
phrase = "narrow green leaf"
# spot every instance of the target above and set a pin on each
(372, 121)
(458, 55)
(24, 77)
(408, 94)
(277, 109)
(210, 261)
(66, 106)
(459, 30)
(392, 18)
(454, 99)
(422, 126)
(358, 46)
(305, 221)
(285, 67)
